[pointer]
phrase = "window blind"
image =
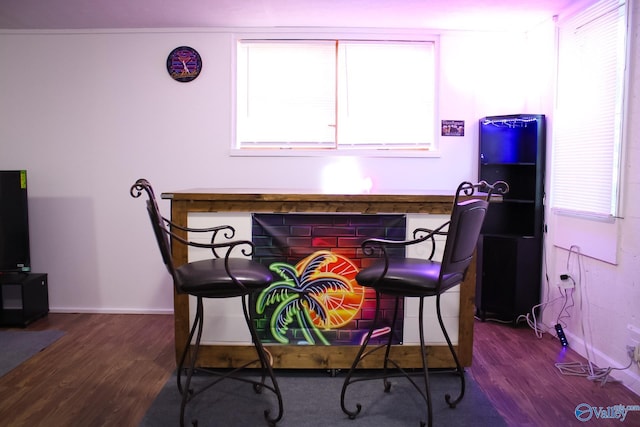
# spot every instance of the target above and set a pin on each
(286, 94)
(588, 119)
(386, 94)
(340, 94)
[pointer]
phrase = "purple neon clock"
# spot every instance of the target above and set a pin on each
(184, 64)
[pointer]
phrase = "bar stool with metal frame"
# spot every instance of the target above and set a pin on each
(228, 273)
(420, 278)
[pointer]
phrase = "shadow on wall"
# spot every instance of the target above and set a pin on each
(63, 245)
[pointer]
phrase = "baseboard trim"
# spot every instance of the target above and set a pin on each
(629, 377)
(111, 310)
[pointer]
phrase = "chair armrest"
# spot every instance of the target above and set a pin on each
(198, 230)
(430, 234)
(420, 235)
(246, 247)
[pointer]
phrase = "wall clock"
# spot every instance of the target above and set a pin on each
(184, 64)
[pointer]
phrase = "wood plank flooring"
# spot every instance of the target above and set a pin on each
(108, 368)
(105, 371)
(517, 372)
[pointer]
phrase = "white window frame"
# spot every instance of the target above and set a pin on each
(343, 150)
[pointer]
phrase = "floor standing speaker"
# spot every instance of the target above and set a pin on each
(508, 279)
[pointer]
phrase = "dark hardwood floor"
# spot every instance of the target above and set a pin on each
(107, 369)
(517, 372)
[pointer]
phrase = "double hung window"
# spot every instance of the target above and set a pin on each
(335, 95)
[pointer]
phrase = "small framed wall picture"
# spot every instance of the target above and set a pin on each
(184, 64)
(452, 127)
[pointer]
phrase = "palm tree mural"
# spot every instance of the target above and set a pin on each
(305, 297)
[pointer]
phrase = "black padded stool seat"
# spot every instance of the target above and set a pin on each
(409, 277)
(209, 278)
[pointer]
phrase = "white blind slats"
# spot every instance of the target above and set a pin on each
(386, 94)
(588, 110)
(335, 94)
(285, 101)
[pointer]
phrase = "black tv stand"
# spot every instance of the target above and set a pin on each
(24, 298)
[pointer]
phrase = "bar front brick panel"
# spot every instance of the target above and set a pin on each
(292, 237)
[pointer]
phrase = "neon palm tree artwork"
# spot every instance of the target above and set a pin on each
(315, 298)
(318, 294)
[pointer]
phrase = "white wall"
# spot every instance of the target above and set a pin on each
(88, 113)
(607, 295)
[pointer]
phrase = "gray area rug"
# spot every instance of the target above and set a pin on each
(312, 399)
(18, 346)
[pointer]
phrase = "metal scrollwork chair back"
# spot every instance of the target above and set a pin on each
(229, 272)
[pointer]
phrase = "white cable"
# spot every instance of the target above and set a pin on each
(590, 370)
(533, 321)
(565, 307)
(530, 318)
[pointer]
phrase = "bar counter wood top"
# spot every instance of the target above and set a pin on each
(296, 201)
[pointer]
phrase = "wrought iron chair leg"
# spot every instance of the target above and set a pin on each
(183, 356)
(257, 344)
(459, 369)
(199, 321)
(425, 365)
(265, 368)
(359, 356)
(387, 383)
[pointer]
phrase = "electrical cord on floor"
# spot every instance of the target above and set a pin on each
(565, 307)
(538, 327)
(491, 319)
(588, 370)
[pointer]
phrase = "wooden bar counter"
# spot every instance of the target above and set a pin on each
(287, 201)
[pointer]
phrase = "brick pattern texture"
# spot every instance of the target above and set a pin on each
(290, 238)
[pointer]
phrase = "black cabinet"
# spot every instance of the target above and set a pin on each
(24, 297)
(509, 266)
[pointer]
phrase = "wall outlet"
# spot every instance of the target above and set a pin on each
(634, 342)
(566, 281)
(634, 335)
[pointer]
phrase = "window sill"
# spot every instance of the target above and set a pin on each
(332, 153)
(595, 237)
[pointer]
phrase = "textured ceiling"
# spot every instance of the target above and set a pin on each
(428, 14)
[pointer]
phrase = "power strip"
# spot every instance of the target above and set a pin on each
(563, 338)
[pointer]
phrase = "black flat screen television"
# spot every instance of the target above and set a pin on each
(14, 222)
